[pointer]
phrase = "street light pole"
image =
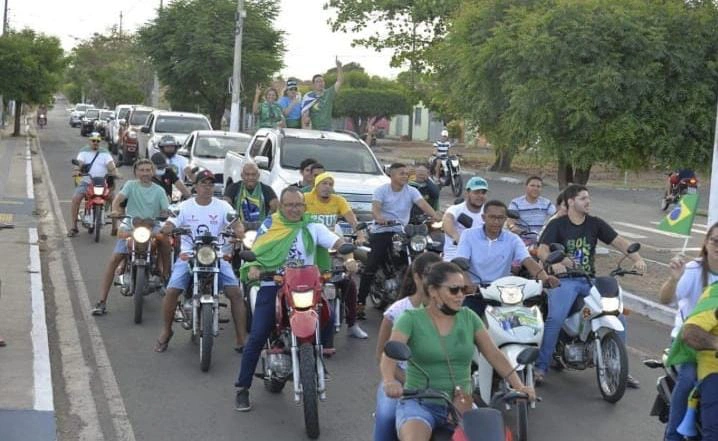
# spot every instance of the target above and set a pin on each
(2, 101)
(713, 197)
(237, 69)
(156, 82)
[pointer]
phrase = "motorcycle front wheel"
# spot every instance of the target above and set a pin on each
(613, 377)
(138, 292)
(522, 415)
(457, 184)
(310, 392)
(665, 203)
(97, 214)
(206, 339)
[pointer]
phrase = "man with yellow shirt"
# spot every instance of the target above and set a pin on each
(325, 207)
(700, 334)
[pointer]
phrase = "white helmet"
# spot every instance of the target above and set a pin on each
(445, 133)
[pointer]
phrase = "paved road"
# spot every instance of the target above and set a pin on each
(167, 397)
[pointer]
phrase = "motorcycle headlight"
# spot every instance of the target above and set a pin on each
(141, 234)
(98, 190)
(511, 295)
(418, 243)
(249, 238)
(206, 255)
(303, 299)
(132, 134)
(610, 304)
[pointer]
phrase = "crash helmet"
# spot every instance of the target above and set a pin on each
(159, 160)
(445, 133)
(94, 136)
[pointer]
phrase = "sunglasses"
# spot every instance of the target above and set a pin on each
(455, 290)
(95, 141)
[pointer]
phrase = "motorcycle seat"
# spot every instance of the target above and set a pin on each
(607, 286)
(98, 181)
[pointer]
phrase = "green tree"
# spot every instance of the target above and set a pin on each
(363, 104)
(191, 44)
(32, 67)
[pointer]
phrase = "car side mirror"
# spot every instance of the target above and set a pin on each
(145, 129)
(262, 162)
(183, 152)
(397, 350)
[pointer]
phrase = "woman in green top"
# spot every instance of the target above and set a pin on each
(269, 113)
(440, 338)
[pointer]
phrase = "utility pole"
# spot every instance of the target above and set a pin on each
(2, 101)
(237, 70)
(120, 25)
(156, 82)
(713, 197)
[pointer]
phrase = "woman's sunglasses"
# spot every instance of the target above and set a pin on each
(455, 290)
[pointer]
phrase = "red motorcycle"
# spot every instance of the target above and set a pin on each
(97, 195)
(681, 183)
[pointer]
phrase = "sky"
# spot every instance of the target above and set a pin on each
(311, 45)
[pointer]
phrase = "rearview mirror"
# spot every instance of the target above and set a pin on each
(397, 350)
(527, 356)
(262, 162)
(183, 152)
(145, 129)
(346, 248)
(555, 257)
(462, 262)
(633, 248)
(75, 162)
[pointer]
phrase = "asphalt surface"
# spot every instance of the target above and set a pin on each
(167, 397)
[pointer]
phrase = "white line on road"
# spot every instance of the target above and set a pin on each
(695, 230)
(42, 374)
(28, 170)
(630, 235)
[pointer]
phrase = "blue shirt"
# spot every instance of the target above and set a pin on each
(490, 259)
(296, 112)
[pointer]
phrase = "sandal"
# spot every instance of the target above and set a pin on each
(73, 232)
(160, 346)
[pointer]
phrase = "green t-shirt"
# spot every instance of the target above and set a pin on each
(144, 202)
(270, 114)
(426, 349)
(321, 112)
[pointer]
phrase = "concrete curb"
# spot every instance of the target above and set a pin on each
(654, 311)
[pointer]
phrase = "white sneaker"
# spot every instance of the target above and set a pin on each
(357, 332)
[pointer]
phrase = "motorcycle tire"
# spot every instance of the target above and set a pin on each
(522, 416)
(138, 292)
(310, 391)
(611, 345)
(97, 214)
(457, 184)
(206, 339)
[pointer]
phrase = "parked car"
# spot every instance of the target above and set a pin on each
(87, 123)
(113, 127)
(278, 153)
(77, 113)
(177, 124)
(128, 150)
(101, 123)
(208, 149)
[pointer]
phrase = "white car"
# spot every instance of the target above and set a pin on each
(207, 149)
(122, 112)
(178, 124)
(78, 112)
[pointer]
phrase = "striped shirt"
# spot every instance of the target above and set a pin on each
(534, 214)
(442, 148)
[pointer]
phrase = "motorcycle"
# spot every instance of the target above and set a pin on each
(450, 173)
(41, 120)
(479, 424)
(249, 291)
(199, 310)
(679, 188)
(294, 350)
(589, 336)
(96, 197)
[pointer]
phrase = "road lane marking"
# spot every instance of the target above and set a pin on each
(695, 230)
(630, 235)
(6, 218)
(42, 374)
(12, 203)
(649, 230)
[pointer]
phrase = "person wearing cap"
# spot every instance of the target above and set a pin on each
(533, 209)
(291, 105)
(96, 163)
(472, 206)
(326, 207)
(317, 105)
(166, 177)
(200, 213)
(269, 113)
(168, 145)
(441, 152)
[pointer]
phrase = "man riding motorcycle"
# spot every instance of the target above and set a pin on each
(166, 177)
(168, 145)
(290, 238)
(442, 147)
(253, 200)
(472, 206)
(426, 187)
(533, 209)
(202, 211)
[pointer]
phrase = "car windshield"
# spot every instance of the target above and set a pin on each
(337, 156)
(82, 107)
(123, 113)
(106, 114)
(180, 124)
(139, 117)
(218, 146)
(92, 113)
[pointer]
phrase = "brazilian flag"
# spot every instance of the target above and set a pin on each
(680, 219)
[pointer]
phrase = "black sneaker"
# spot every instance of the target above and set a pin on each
(100, 308)
(632, 382)
(241, 401)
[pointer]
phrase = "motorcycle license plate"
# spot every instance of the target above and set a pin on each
(692, 190)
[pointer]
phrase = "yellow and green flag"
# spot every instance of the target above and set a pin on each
(680, 219)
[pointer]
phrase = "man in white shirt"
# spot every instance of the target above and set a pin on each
(96, 163)
(168, 145)
(473, 207)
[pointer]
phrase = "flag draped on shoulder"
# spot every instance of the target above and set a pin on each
(680, 352)
(680, 219)
(308, 101)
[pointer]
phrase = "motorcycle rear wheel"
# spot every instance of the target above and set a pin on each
(97, 214)
(138, 292)
(612, 380)
(206, 339)
(310, 392)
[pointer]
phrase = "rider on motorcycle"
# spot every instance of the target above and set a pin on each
(441, 153)
(472, 206)
(305, 169)
(253, 200)
(166, 177)
(426, 187)
(675, 178)
(315, 170)
(325, 207)
(98, 163)
(202, 211)
(579, 233)
(437, 338)
(391, 202)
(145, 200)
(533, 209)
(168, 145)
(290, 238)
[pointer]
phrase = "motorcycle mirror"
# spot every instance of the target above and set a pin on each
(513, 214)
(231, 217)
(247, 256)
(653, 364)
(465, 220)
(557, 247)
(555, 257)
(346, 248)
(633, 248)
(75, 162)
(397, 350)
(461, 262)
(528, 356)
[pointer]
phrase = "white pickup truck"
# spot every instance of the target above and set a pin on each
(278, 153)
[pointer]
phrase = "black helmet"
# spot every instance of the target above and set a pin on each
(159, 160)
(168, 140)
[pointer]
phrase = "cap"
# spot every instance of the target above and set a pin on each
(291, 84)
(444, 133)
(94, 136)
(477, 183)
(202, 175)
(159, 160)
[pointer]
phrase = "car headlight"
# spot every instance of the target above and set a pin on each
(132, 134)
(206, 255)
(418, 243)
(610, 304)
(303, 299)
(511, 295)
(141, 234)
(98, 190)
(249, 238)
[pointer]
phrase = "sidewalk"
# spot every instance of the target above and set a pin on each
(26, 395)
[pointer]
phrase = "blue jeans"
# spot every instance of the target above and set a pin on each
(560, 300)
(687, 377)
(709, 407)
(385, 416)
(432, 414)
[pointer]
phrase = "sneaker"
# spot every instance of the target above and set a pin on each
(632, 382)
(241, 400)
(100, 308)
(539, 377)
(357, 332)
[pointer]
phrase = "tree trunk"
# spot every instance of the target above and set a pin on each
(581, 175)
(569, 175)
(18, 118)
(216, 115)
(504, 156)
